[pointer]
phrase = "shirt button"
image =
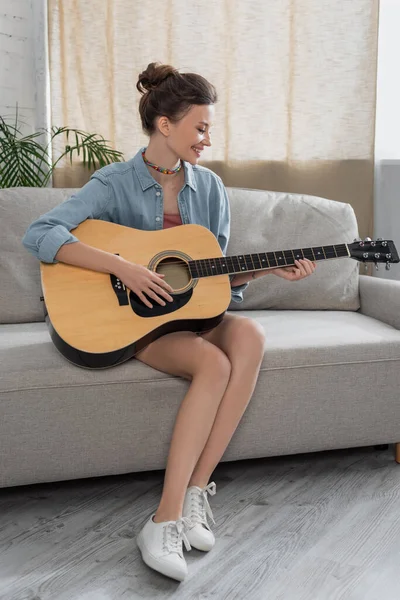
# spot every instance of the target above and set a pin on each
(158, 193)
(158, 218)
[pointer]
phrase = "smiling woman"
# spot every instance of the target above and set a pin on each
(178, 106)
(160, 187)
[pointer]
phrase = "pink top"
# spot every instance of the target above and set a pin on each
(171, 220)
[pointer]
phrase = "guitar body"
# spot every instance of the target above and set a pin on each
(95, 322)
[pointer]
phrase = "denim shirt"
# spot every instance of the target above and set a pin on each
(127, 194)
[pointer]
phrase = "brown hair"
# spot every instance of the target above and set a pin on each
(170, 93)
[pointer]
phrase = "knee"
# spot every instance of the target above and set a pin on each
(213, 362)
(249, 338)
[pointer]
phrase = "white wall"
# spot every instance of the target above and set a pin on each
(387, 133)
(387, 140)
(23, 62)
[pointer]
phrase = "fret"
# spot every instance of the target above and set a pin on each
(218, 266)
(298, 253)
(193, 271)
(307, 253)
(242, 263)
(257, 261)
(288, 257)
(319, 255)
(231, 265)
(244, 267)
(249, 262)
(281, 258)
(213, 266)
(203, 267)
(198, 268)
(271, 259)
(329, 251)
(265, 259)
(236, 264)
(343, 250)
(224, 265)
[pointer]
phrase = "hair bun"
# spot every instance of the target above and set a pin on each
(155, 74)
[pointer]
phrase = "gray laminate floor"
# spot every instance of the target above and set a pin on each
(323, 526)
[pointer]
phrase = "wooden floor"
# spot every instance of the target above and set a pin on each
(323, 526)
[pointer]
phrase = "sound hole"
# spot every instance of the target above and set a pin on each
(176, 272)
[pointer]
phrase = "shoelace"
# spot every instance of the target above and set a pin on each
(200, 505)
(175, 533)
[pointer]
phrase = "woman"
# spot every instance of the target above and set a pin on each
(163, 186)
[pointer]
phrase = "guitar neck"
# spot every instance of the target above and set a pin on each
(242, 263)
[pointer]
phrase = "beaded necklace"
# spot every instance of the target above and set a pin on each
(161, 169)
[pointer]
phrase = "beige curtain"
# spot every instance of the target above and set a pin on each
(296, 81)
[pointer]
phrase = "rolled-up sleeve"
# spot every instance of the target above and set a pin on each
(45, 236)
(223, 236)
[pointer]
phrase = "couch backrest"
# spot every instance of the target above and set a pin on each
(265, 221)
(261, 221)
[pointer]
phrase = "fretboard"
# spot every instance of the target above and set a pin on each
(208, 267)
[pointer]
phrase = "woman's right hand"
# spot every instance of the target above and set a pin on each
(141, 280)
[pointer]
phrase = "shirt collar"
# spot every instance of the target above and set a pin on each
(146, 180)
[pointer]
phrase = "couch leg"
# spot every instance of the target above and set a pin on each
(397, 452)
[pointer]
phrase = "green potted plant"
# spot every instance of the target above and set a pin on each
(25, 161)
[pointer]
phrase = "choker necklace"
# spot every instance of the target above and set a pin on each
(161, 169)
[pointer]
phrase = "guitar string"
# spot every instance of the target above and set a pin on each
(182, 263)
(228, 258)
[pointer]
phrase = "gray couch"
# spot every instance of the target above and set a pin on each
(330, 376)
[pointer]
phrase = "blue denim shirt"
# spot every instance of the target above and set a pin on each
(127, 194)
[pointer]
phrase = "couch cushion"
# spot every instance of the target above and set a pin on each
(20, 288)
(267, 221)
(295, 339)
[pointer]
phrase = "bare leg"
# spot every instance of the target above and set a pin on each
(242, 339)
(188, 355)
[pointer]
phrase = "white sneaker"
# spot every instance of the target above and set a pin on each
(196, 508)
(161, 546)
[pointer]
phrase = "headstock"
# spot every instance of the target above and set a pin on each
(378, 251)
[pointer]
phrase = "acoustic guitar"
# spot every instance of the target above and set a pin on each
(96, 322)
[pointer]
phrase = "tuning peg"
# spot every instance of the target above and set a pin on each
(367, 239)
(358, 239)
(377, 266)
(387, 266)
(379, 239)
(366, 267)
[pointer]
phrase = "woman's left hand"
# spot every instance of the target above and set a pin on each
(303, 268)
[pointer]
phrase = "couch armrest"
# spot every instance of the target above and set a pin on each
(380, 299)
